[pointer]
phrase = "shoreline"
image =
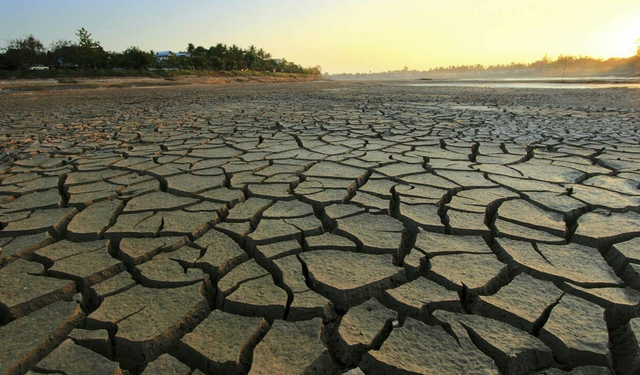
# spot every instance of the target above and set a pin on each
(565, 80)
(46, 84)
(90, 83)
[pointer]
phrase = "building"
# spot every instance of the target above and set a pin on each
(164, 55)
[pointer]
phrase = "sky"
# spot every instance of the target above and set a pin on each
(344, 36)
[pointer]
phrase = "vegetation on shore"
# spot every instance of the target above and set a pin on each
(569, 66)
(28, 58)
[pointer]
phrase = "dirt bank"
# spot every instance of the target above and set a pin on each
(118, 82)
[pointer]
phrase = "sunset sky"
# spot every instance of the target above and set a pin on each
(344, 35)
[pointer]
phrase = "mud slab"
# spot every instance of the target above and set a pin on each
(319, 228)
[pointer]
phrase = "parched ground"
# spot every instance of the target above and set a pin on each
(319, 228)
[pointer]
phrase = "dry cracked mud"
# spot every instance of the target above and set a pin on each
(320, 228)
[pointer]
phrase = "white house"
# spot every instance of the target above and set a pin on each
(164, 55)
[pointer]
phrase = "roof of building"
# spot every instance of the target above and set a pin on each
(171, 53)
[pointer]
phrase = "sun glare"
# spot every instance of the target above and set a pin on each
(621, 47)
(618, 39)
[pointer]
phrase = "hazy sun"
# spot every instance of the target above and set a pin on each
(622, 47)
(618, 39)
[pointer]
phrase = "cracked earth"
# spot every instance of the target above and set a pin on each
(320, 228)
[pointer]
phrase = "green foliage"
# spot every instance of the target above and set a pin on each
(84, 39)
(232, 58)
(87, 54)
(134, 58)
(23, 53)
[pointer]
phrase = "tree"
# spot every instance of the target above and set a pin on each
(61, 52)
(22, 53)
(199, 62)
(89, 52)
(638, 45)
(234, 58)
(135, 58)
(250, 60)
(30, 44)
(173, 62)
(85, 40)
(216, 63)
(60, 44)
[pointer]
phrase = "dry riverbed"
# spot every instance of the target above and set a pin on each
(319, 228)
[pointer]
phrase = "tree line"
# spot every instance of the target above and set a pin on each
(87, 53)
(564, 63)
(545, 67)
